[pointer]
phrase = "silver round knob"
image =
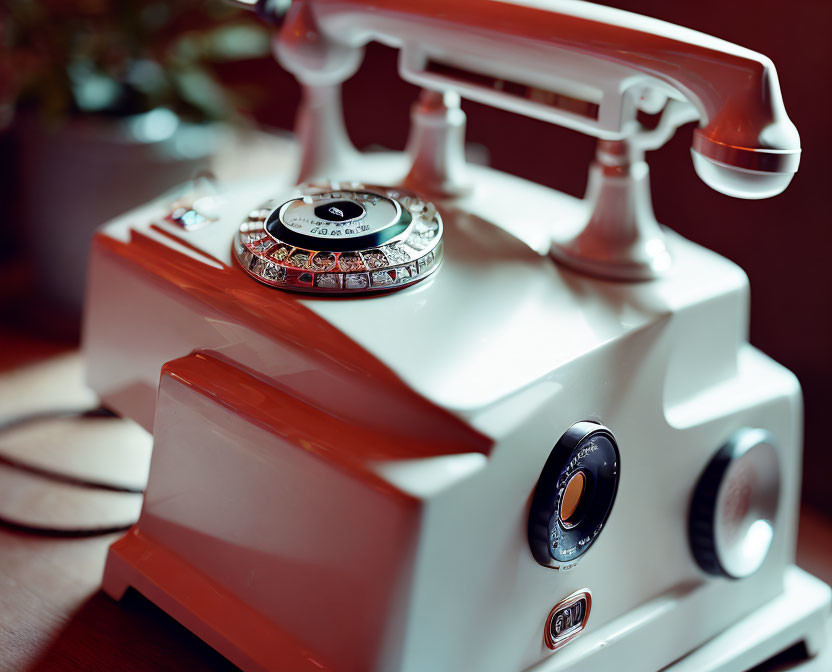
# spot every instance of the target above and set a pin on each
(734, 507)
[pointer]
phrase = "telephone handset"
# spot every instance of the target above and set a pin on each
(575, 64)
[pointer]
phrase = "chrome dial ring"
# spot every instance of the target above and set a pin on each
(342, 239)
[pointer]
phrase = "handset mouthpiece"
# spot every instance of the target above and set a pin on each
(749, 147)
(744, 172)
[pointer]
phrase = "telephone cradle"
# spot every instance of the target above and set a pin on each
(414, 414)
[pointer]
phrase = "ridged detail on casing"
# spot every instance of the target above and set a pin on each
(702, 518)
(539, 530)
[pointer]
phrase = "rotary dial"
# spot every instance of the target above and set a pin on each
(360, 239)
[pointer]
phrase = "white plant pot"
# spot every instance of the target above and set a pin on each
(74, 178)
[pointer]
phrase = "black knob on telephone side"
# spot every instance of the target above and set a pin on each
(574, 495)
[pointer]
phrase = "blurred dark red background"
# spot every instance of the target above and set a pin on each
(784, 244)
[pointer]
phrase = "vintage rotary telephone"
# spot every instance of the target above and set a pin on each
(437, 424)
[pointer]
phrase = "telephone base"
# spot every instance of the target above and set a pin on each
(254, 643)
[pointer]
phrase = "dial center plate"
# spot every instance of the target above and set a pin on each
(338, 217)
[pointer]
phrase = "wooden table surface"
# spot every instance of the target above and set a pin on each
(52, 614)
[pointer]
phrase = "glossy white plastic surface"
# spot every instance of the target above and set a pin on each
(516, 348)
(344, 483)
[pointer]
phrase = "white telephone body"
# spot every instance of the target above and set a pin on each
(412, 414)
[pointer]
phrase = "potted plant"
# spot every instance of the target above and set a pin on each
(109, 103)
